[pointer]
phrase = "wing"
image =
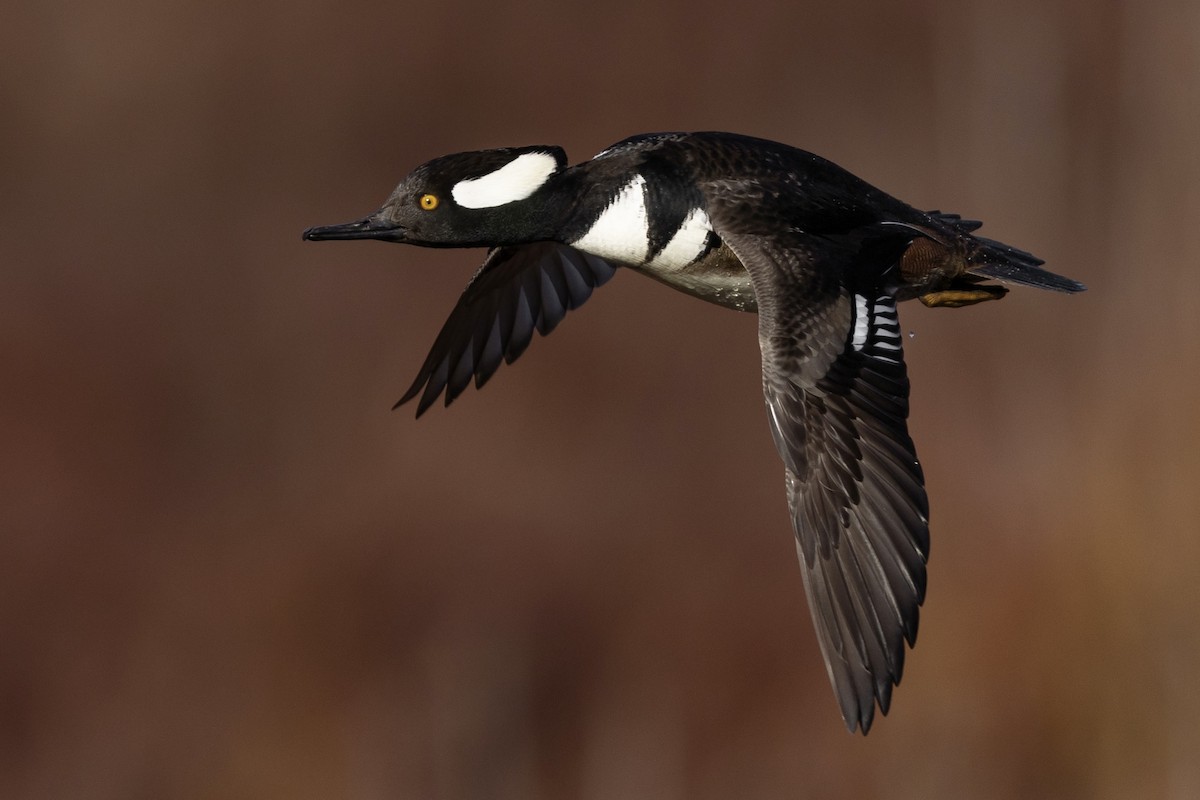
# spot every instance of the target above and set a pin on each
(517, 290)
(837, 401)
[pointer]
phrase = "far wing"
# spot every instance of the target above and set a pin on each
(517, 290)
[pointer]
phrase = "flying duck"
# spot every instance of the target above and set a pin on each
(823, 258)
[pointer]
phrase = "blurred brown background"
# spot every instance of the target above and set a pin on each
(228, 571)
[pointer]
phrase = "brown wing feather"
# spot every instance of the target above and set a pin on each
(837, 399)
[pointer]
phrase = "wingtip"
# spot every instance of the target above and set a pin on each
(422, 407)
(420, 383)
(860, 724)
(862, 721)
(425, 404)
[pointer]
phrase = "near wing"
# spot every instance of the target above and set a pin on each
(837, 401)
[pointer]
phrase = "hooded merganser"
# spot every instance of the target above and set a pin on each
(820, 255)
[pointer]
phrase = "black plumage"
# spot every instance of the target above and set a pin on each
(820, 254)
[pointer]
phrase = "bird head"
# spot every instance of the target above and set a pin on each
(475, 199)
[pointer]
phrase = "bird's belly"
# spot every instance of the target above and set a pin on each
(717, 277)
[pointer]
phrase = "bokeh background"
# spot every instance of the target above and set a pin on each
(227, 570)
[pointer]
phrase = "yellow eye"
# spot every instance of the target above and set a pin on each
(429, 202)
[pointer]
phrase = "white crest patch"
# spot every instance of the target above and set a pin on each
(620, 233)
(516, 180)
(687, 244)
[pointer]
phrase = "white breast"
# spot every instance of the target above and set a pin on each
(620, 233)
(687, 245)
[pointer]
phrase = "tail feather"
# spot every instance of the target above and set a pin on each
(957, 222)
(991, 259)
(997, 260)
